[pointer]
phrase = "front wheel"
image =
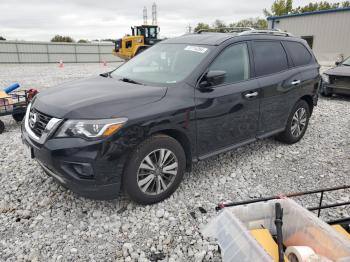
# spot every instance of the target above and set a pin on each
(298, 121)
(325, 92)
(154, 170)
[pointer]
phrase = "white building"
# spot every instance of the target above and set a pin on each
(327, 32)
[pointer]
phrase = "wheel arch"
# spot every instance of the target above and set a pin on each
(184, 141)
(309, 100)
(139, 49)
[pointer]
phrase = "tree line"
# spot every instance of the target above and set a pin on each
(284, 7)
(258, 23)
(68, 39)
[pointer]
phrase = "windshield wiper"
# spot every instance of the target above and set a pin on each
(128, 80)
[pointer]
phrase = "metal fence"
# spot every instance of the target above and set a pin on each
(47, 52)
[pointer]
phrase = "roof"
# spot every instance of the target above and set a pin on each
(310, 13)
(216, 39)
(203, 38)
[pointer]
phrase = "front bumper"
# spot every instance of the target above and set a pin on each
(88, 168)
(337, 89)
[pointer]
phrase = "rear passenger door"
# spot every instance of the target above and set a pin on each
(304, 62)
(279, 85)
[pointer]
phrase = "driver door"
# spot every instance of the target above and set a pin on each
(227, 115)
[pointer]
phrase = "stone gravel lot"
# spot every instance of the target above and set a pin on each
(41, 221)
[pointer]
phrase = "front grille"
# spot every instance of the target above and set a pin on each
(39, 125)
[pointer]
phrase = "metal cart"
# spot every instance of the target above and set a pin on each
(14, 104)
(320, 192)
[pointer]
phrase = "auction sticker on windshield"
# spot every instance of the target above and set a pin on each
(197, 49)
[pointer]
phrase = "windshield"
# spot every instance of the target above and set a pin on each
(153, 32)
(163, 63)
(346, 62)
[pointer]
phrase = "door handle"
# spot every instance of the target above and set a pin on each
(250, 95)
(295, 82)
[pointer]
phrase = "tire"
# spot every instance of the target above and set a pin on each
(2, 127)
(296, 126)
(325, 92)
(18, 117)
(141, 180)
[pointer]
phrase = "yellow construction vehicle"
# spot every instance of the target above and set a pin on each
(142, 37)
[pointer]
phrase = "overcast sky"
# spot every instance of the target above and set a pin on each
(91, 19)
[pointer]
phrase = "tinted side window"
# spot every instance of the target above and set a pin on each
(300, 55)
(269, 57)
(234, 60)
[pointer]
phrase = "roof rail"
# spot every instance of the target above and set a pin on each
(226, 30)
(276, 32)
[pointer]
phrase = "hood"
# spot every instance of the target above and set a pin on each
(95, 98)
(339, 71)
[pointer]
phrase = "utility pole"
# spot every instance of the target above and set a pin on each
(145, 15)
(154, 14)
(189, 29)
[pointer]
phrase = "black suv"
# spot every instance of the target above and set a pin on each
(142, 125)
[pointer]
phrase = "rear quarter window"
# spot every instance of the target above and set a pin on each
(298, 52)
(269, 57)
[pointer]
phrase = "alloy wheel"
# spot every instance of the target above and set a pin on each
(157, 171)
(298, 122)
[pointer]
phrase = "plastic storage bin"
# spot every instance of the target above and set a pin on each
(235, 241)
(300, 228)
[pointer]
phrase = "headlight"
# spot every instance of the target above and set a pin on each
(325, 78)
(91, 129)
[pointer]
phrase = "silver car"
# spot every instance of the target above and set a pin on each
(337, 80)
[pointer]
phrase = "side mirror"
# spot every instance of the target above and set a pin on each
(337, 63)
(213, 78)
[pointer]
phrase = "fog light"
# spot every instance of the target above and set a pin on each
(82, 170)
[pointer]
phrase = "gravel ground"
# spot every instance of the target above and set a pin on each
(41, 221)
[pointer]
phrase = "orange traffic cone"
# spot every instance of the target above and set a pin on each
(61, 64)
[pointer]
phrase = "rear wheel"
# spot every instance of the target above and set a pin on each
(298, 121)
(154, 170)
